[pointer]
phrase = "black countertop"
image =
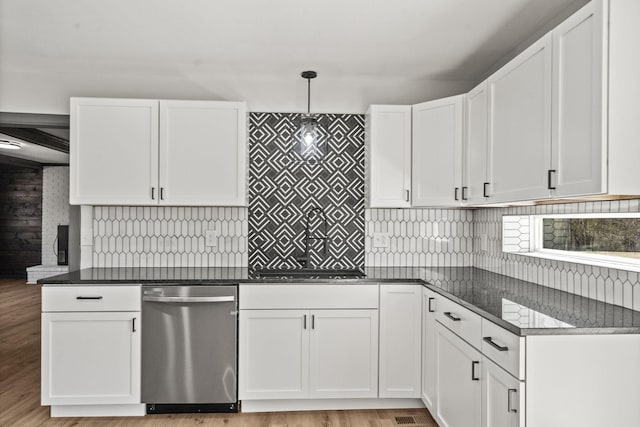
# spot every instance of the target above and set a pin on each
(521, 307)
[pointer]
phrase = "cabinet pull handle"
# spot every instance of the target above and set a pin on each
(549, 173)
(407, 195)
(161, 193)
(429, 308)
(153, 193)
(493, 344)
(81, 298)
(304, 322)
(464, 193)
(455, 193)
(313, 321)
(485, 193)
(452, 317)
(133, 325)
(509, 393)
(473, 371)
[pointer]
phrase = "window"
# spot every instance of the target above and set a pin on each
(609, 240)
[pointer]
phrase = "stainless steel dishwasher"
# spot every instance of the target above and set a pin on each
(189, 348)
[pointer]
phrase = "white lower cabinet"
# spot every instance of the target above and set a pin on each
(90, 358)
(343, 361)
(300, 354)
(502, 397)
(458, 381)
(274, 354)
(429, 368)
(400, 337)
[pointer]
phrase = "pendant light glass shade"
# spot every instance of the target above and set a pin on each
(310, 137)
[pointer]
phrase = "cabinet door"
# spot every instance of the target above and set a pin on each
(520, 125)
(113, 153)
(388, 152)
(400, 338)
(437, 152)
(343, 354)
(458, 383)
(579, 156)
(90, 358)
(475, 149)
(502, 397)
(429, 367)
(203, 153)
(273, 354)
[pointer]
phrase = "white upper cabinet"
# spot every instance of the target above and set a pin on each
(150, 152)
(475, 149)
(437, 152)
(579, 156)
(388, 153)
(113, 151)
(520, 125)
(201, 159)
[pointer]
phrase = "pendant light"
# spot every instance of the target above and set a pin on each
(310, 138)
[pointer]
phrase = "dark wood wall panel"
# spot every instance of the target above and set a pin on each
(20, 219)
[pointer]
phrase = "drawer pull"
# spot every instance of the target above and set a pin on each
(492, 343)
(431, 310)
(473, 371)
(81, 298)
(509, 393)
(304, 322)
(452, 317)
(313, 321)
(133, 325)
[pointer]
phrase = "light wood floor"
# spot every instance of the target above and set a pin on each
(20, 383)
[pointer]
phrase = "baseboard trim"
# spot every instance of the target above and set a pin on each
(135, 410)
(327, 404)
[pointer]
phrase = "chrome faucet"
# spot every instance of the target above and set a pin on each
(305, 259)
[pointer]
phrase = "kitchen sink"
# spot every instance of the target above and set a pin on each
(309, 273)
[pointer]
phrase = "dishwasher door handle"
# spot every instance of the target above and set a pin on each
(188, 299)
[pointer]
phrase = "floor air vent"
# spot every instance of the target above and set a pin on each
(414, 420)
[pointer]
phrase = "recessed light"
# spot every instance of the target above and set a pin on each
(10, 145)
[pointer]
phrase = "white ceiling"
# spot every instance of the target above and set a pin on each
(374, 50)
(34, 152)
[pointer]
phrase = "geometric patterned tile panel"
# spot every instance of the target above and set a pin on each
(150, 236)
(284, 187)
(619, 287)
(420, 237)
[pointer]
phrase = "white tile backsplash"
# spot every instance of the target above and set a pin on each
(420, 237)
(609, 285)
(134, 236)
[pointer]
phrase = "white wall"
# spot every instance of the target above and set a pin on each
(55, 209)
(48, 91)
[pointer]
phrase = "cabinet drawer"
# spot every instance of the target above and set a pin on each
(504, 348)
(309, 296)
(460, 320)
(91, 298)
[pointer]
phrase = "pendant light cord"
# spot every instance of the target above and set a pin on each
(308, 96)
